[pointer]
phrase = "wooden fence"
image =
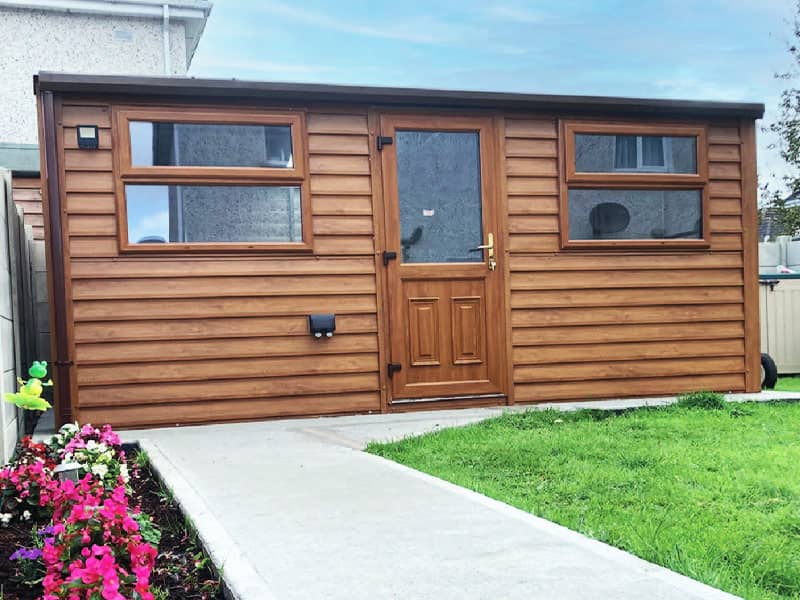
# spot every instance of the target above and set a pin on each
(17, 330)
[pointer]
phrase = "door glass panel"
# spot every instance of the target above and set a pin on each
(439, 191)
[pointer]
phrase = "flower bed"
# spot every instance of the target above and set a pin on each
(113, 534)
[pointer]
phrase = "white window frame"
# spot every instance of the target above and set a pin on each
(666, 143)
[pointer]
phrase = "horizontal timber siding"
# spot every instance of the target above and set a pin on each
(192, 338)
(27, 194)
(195, 338)
(596, 324)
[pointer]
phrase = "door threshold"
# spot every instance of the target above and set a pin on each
(446, 398)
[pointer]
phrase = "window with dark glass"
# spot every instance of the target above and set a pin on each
(211, 178)
(631, 214)
(213, 213)
(605, 153)
(210, 145)
(625, 186)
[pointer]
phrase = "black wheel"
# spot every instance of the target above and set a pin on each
(769, 372)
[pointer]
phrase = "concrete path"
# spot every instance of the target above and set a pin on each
(294, 510)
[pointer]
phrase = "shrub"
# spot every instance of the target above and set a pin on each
(27, 484)
(97, 550)
(97, 546)
(97, 451)
(704, 400)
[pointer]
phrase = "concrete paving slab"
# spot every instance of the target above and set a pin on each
(293, 509)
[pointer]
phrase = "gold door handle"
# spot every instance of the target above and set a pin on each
(490, 247)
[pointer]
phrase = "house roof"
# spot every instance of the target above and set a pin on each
(20, 158)
(192, 13)
(395, 96)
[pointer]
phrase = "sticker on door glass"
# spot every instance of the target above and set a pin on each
(428, 212)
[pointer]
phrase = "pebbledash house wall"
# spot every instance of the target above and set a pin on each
(189, 338)
(39, 40)
(95, 36)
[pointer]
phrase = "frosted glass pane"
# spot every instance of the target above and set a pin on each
(603, 214)
(603, 153)
(439, 186)
(213, 213)
(210, 145)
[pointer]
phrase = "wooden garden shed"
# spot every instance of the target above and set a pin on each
(475, 248)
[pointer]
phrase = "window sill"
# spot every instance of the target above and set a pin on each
(668, 244)
(216, 247)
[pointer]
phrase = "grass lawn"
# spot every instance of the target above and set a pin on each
(712, 494)
(788, 384)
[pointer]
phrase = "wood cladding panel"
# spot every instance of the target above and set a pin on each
(671, 367)
(167, 350)
(590, 334)
(215, 287)
(238, 368)
(231, 410)
(191, 391)
(542, 392)
(341, 205)
(91, 204)
(569, 262)
(626, 279)
(228, 333)
(206, 308)
(220, 327)
(538, 205)
(138, 267)
(561, 354)
(339, 144)
(27, 195)
(556, 317)
(623, 298)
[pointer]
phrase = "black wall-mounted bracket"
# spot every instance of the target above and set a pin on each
(770, 282)
(393, 368)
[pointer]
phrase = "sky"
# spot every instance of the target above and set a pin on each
(694, 49)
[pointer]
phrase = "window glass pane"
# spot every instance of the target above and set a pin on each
(624, 152)
(213, 213)
(653, 150)
(602, 153)
(210, 145)
(439, 186)
(604, 214)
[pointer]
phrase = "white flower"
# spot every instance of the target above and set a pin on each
(68, 430)
(123, 471)
(5, 518)
(100, 470)
(26, 515)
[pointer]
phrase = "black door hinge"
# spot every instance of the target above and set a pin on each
(387, 256)
(393, 368)
(383, 140)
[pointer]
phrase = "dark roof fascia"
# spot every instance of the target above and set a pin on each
(129, 86)
(25, 174)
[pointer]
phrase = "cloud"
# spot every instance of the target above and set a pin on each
(419, 30)
(512, 13)
(153, 224)
(700, 89)
(509, 49)
(234, 64)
